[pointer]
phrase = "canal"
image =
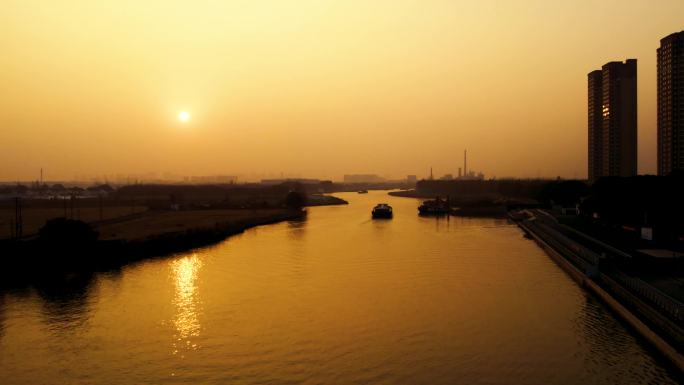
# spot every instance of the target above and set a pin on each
(337, 298)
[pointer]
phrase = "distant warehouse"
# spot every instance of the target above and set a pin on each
(363, 178)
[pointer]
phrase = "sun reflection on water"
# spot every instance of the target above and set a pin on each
(186, 320)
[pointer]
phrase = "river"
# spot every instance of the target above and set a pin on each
(337, 298)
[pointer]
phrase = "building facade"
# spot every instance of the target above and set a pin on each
(613, 128)
(671, 103)
(595, 124)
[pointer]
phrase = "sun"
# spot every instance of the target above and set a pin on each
(183, 116)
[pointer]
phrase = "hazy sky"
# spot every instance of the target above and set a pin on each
(314, 87)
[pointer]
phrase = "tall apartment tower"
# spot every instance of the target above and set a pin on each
(671, 103)
(595, 125)
(613, 128)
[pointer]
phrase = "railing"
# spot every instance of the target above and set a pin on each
(569, 251)
(666, 303)
(586, 259)
(577, 249)
(608, 248)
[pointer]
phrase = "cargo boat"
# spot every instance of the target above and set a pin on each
(382, 211)
(435, 207)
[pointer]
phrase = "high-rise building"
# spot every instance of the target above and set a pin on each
(671, 103)
(595, 125)
(613, 127)
(620, 118)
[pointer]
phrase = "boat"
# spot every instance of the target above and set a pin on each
(436, 206)
(382, 210)
(362, 191)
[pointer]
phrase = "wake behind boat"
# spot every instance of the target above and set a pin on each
(382, 211)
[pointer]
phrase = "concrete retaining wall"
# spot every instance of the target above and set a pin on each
(662, 346)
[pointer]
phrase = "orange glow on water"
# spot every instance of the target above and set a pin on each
(185, 271)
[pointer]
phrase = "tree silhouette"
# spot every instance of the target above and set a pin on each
(63, 231)
(295, 200)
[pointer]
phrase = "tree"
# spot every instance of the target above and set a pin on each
(295, 199)
(564, 193)
(63, 231)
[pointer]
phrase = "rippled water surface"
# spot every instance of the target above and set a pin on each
(335, 299)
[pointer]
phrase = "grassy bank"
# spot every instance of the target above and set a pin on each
(153, 233)
(166, 223)
(36, 212)
(34, 215)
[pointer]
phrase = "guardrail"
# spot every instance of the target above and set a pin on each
(610, 249)
(666, 303)
(587, 259)
(580, 258)
(583, 252)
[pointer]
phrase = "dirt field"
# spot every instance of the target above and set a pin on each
(161, 222)
(35, 218)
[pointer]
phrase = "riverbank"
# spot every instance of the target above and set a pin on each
(78, 241)
(35, 212)
(168, 224)
(313, 200)
(583, 266)
(149, 234)
(480, 206)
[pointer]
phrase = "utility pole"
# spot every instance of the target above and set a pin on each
(100, 200)
(16, 215)
(18, 221)
(465, 162)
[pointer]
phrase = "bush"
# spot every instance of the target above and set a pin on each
(67, 231)
(564, 193)
(295, 200)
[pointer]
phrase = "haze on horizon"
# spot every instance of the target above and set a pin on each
(313, 87)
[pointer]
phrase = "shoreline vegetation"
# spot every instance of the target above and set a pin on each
(58, 242)
(473, 206)
(148, 235)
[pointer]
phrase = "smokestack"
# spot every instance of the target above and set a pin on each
(431, 173)
(459, 172)
(465, 162)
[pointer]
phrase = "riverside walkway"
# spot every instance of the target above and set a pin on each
(595, 265)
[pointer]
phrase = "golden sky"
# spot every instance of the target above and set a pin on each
(315, 88)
